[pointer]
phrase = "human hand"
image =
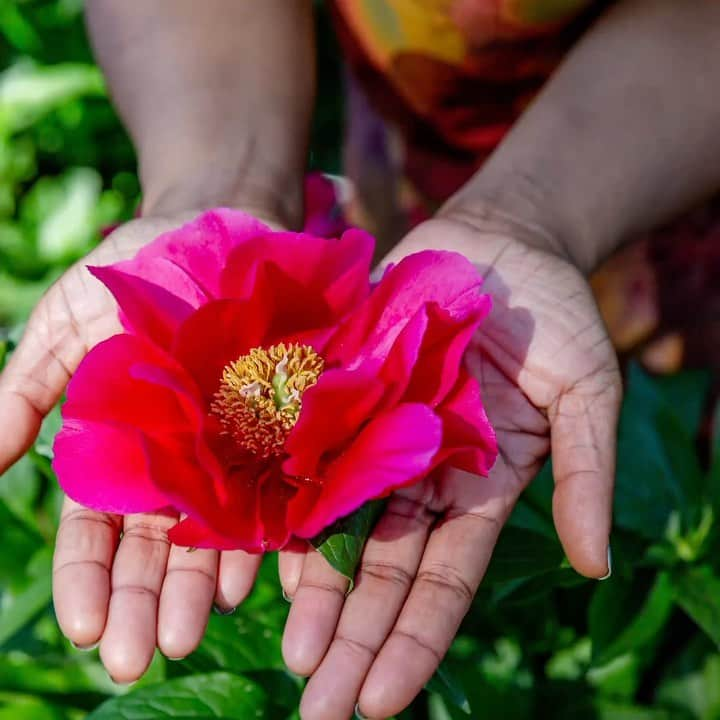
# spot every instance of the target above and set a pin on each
(138, 592)
(549, 380)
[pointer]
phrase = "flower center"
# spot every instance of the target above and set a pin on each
(260, 395)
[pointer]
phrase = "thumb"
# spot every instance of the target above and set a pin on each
(583, 435)
(30, 385)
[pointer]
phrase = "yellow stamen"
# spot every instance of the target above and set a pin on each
(260, 395)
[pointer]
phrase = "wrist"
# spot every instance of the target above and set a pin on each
(274, 197)
(531, 212)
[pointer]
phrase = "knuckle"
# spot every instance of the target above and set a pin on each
(386, 573)
(444, 579)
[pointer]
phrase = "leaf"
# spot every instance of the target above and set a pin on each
(342, 543)
(697, 591)
(26, 707)
(614, 630)
(445, 684)
(19, 489)
(658, 470)
(19, 608)
(215, 695)
(522, 554)
(244, 641)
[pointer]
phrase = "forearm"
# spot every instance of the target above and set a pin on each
(623, 136)
(217, 96)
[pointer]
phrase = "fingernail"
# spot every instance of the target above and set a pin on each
(358, 714)
(175, 659)
(286, 597)
(122, 684)
(609, 563)
(221, 611)
(85, 648)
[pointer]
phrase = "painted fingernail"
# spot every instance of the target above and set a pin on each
(609, 563)
(85, 648)
(223, 611)
(286, 597)
(358, 714)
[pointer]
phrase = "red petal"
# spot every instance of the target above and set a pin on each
(469, 441)
(332, 413)
(215, 335)
(394, 450)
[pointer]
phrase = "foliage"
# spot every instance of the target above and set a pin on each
(539, 639)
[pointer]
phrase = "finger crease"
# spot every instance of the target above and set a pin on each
(386, 572)
(73, 563)
(447, 581)
(356, 646)
(417, 641)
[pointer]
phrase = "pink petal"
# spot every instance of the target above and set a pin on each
(145, 308)
(332, 413)
(200, 249)
(441, 353)
(337, 270)
(469, 441)
(108, 387)
(103, 466)
(394, 450)
(431, 276)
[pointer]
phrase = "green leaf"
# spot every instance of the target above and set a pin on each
(522, 554)
(658, 469)
(616, 627)
(445, 684)
(19, 608)
(342, 543)
(241, 642)
(215, 695)
(697, 591)
(19, 489)
(26, 707)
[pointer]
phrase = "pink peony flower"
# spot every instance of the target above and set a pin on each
(262, 388)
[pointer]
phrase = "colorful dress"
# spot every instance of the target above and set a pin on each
(433, 87)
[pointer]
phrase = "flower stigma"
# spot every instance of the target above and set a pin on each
(260, 395)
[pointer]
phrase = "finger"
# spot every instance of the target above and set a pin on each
(84, 550)
(388, 567)
(583, 436)
(452, 566)
(236, 576)
(185, 600)
(290, 565)
(130, 635)
(313, 614)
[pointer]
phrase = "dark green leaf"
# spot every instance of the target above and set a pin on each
(215, 695)
(444, 683)
(616, 627)
(523, 554)
(697, 591)
(343, 542)
(658, 471)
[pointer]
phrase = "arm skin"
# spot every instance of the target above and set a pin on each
(623, 137)
(217, 96)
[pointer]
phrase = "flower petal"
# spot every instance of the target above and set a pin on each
(332, 412)
(336, 270)
(432, 276)
(103, 466)
(469, 441)
(199, 248)
(145, 308)
(394, 450)
(441, 353)
(215, 335)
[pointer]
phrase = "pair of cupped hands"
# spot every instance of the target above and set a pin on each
(550, 382)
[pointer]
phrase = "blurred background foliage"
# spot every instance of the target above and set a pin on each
(540, 641)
